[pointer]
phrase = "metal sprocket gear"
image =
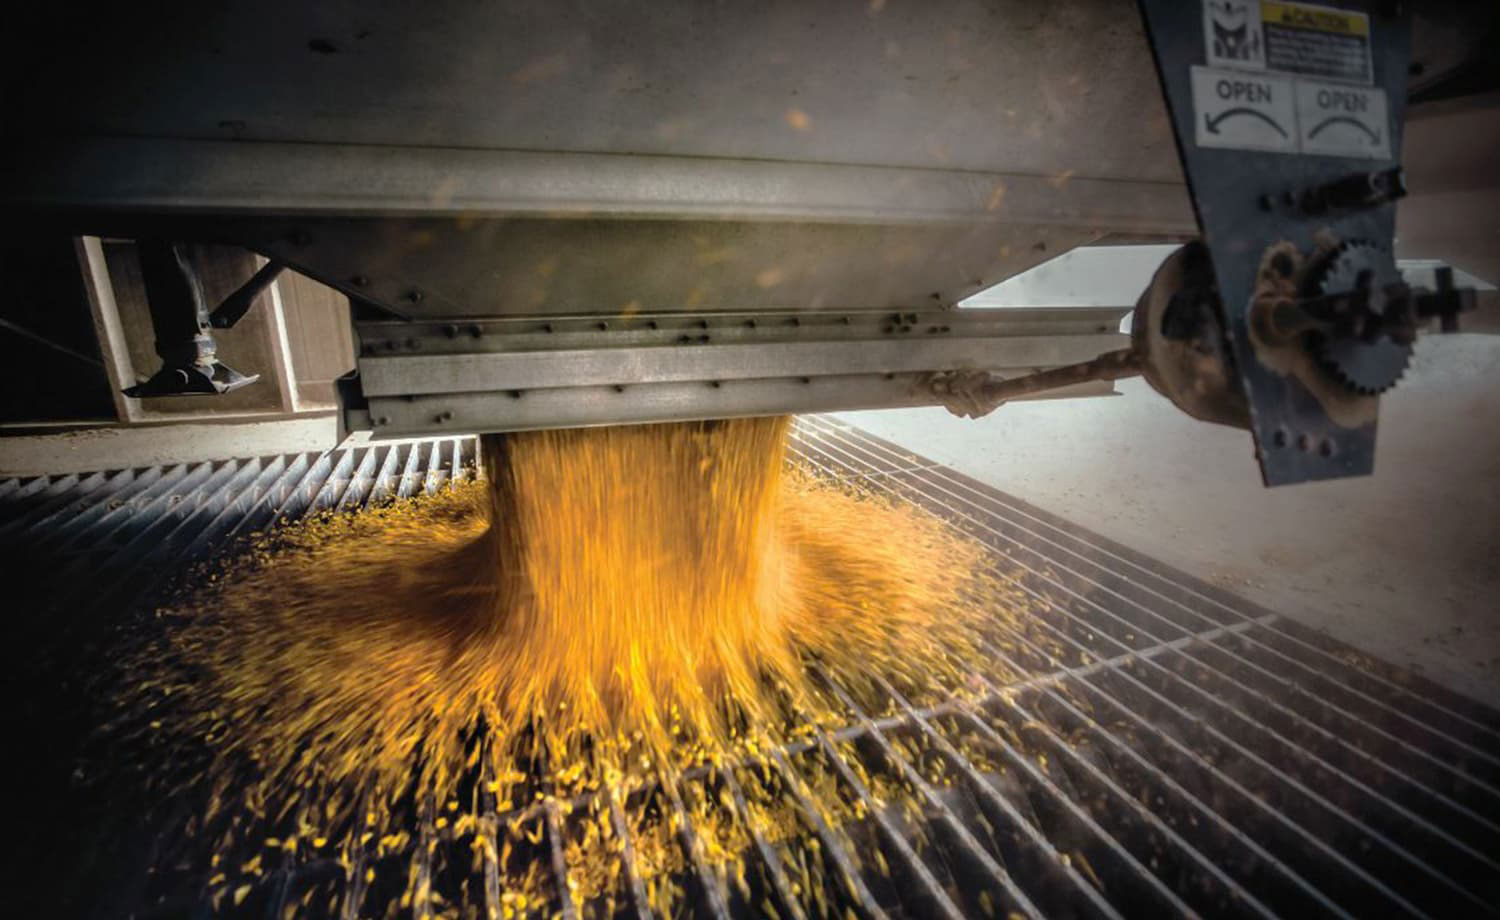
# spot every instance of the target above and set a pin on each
(1364, 366)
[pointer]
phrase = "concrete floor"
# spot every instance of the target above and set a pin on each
(1404, 564)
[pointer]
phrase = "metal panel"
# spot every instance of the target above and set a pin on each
(237, 177)
(425, 374)
(506, 375)
(783, 155)
(1023, 86)
(579, 407)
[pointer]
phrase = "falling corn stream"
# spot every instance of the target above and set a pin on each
(613, 635)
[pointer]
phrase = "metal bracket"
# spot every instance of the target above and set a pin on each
(507, 374)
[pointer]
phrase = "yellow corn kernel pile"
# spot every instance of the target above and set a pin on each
(447, 675)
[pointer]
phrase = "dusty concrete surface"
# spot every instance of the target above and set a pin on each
(1404, 564)
(150, 445)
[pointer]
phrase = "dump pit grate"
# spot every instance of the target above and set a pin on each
(1167, 748)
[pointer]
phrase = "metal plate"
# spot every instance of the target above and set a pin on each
(539, 372)
(1228, 185)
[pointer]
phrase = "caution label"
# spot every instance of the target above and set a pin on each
(1337, 119)
(1243, 111)
(1316, 41)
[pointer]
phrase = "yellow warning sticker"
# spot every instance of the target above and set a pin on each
(1320, 18)
(1316, 41)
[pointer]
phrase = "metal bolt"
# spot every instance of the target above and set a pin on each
(359, 281)
(651, 324)
(1326, 448)
(619, 388)
(844, 320)
(383, 420)
(1304, 442)
(750, 323)
(451, 331)
(602, 325)
(413, 344)
(714, 383)
(414, 295)
(703, 338)
(516, 394)
(702, 324)
(546, 327)
(806, 379)
(475, 330)
(1278, 437)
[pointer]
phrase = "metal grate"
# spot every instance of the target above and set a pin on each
(1171, 749)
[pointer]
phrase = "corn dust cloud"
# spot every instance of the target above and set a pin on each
(428, 698)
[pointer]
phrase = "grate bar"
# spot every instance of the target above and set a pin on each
(1261, 855)
(1234, 892)
(1308, 794)
(385, 478)
(354, 879)
(96, 520)
(931, 891)
(1048, 860)
(566, 907)
(775, 871)
(26, 488)
(357, 491)
(996, 876)
(633, 883)
(849, 873)
(122, 488)
(489, 822)
(1298, 716)
(1164, 897)
(145, 560)
(1328, 855)
(75, 500)
(408, 483)
(1211, 730)
(338, 479)
(709, 883)
(1100, 546)
(20, 510)
(1090, 601)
